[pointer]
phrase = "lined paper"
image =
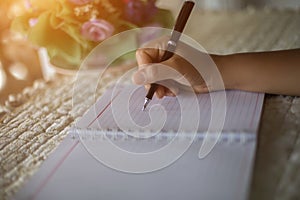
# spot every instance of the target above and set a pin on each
(71, 172)
(242, 111)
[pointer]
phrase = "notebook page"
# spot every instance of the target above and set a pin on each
(242, 112)
(74, 172)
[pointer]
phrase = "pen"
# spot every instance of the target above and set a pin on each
(172, 43)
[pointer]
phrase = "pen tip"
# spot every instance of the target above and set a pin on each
(147, 101)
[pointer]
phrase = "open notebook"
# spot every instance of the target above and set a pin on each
(85, 166)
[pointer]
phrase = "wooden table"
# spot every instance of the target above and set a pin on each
(38, 118)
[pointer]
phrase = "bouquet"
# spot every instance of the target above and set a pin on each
(70, 29)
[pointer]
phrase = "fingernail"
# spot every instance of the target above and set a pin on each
(139, 78)
(171, 94)
(200, 88)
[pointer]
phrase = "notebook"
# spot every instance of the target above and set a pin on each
(189, 147)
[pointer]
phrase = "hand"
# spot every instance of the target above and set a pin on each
(173, 74)
(275, 72)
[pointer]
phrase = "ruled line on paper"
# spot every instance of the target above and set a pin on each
(241, 114)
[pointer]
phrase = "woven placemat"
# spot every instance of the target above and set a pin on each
(276, 171)
(35, 121)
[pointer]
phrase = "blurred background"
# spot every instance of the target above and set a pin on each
(240, 4)
(19, 62)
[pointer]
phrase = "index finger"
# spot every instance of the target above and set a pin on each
(151, 52)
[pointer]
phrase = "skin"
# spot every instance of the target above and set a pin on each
(276, 72)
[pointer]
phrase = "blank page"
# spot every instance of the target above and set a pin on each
(72, 173)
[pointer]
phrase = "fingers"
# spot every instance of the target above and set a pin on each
(178, 68)
(201, 88)
(179, 71)
(155, 72)
(165, 88)
(164, 91)
(172, 79)
(152, 52)
(160, 92)
(146, 56)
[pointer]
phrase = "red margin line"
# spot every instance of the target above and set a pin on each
(46, 180)
(102, 111)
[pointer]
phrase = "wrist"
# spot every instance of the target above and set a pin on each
(224, 65)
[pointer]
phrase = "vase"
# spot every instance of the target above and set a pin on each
(118, 50)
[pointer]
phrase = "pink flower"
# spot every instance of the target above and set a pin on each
(32, 22)
(97, 30)
(80, 2)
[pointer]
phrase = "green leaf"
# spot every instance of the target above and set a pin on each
(58, 43)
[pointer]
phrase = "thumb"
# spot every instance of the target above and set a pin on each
(151, 73)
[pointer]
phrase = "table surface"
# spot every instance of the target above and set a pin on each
(36, 120)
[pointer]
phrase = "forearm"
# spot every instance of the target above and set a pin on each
(275, 72)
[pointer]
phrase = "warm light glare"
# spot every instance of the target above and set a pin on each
(19, 71)
(42, 4)
(2, 77)
(16, 9)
